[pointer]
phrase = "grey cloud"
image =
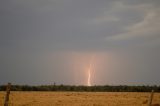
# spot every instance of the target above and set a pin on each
(34, 31)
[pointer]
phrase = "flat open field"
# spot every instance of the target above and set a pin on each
(78, 99)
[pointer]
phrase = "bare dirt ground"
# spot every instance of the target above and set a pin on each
(79, 99)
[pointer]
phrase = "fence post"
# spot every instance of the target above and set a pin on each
(151, 98)
(6, 102)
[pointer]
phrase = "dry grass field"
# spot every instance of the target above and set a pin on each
(79, 99)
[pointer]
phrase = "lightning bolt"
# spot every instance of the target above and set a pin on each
(90, 71)
(89, 75)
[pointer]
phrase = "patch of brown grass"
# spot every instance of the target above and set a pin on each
(79, 99)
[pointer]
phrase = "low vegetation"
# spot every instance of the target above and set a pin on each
(106, 88)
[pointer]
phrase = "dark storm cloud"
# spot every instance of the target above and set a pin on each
(34, 30)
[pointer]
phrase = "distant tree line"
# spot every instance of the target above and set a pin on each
(105, 88)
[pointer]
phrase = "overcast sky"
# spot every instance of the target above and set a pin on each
(47, 41)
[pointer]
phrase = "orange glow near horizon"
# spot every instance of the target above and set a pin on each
(87, 67)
